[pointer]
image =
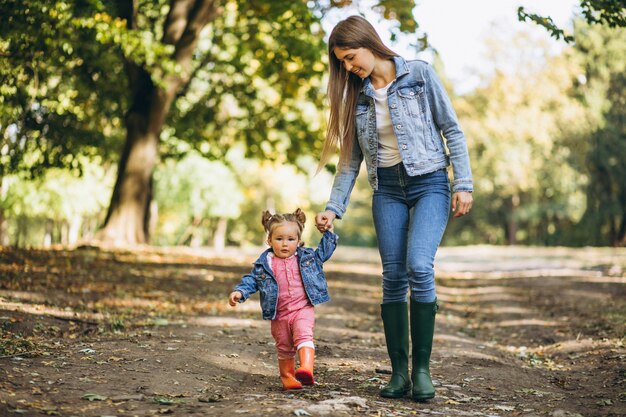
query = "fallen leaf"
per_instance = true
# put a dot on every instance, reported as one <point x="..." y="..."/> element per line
<point x="164" y="401"/>
<point x="94" y="397"/>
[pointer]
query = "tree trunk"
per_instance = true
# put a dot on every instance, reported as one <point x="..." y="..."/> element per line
<point x="3" y="221"/>
<point x="219" y="237"/>
<point x="73" y="230"/>
<point x="128" y="217"/>
<point x="47" y="236"/>
<point x="21" y="232"/>
<point x="621" y="234"/>
<point x="511" y="230"/>
<point x="188" y="235"/>
<point x="4" y="241"/>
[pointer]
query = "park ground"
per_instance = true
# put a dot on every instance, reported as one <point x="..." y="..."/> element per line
<point x="148" y="332"/>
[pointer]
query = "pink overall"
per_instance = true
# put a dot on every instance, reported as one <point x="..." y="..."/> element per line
<point x="295" y="316"/>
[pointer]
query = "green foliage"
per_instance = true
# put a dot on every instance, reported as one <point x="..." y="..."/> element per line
<point x="400" y="10"/>
<point x="525" y="188"/>
<point x="611" y="13"/>
<point x="192" y="192"/>
<point x="59" y="198"/>
<point x="604" y="12"/>
<point x="544" y="138"/>
<point x="258" y="81"/>
<point x="601" y="88"/>
<point x="61" y="94"/>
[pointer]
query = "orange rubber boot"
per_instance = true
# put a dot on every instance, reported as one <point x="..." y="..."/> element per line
<point x="286" y="367"/>
<point x="304" y="373"/>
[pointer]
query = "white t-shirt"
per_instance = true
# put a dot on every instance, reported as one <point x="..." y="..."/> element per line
<point x="388" y="153"/>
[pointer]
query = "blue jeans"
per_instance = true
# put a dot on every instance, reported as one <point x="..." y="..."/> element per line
<point x="410" y="216"/>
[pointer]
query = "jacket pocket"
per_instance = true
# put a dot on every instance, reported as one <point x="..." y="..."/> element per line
<point x="412" y="100"/>
<point x="262" y="280"/>
<point x="313" y="278"/>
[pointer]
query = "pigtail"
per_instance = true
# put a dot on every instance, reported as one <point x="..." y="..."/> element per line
<point x="300" y="217"/>
<point x="265" y="220"/>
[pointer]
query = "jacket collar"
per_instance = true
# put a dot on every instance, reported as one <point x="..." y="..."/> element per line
<point x="401" y="69"/>
<point x="263" y="261"/>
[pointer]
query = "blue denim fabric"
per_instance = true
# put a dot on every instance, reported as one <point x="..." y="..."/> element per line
<point x="262" y="279"/>
<point x="410" y="215"/>
<point x="422" y="115"/>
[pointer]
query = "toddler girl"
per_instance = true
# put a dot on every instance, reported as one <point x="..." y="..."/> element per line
<point x="290" y="280"/>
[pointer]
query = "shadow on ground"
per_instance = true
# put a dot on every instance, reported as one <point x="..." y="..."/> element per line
<point x="520" y="332"/>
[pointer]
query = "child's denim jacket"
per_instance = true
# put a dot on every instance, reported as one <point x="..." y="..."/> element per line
<point x="310" y="261"/>
<point x="421" y="115"/>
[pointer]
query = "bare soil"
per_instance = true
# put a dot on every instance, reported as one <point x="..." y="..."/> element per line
<point x="520" y="332"/>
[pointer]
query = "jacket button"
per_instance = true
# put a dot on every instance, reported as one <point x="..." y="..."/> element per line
<point x="393" y="106"/>
<point x="404" y="146"/>
<point x="411" y="93"/>
<point x="399" y="126"/>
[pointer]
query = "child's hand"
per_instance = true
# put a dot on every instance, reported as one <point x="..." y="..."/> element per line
<point x="234" y="298"/>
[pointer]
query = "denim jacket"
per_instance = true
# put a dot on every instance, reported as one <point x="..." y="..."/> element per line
<point x="421" y="113"/>
<point x="310" y="261"/>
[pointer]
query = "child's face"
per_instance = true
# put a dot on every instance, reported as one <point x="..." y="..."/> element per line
<point x="284" y="239"/>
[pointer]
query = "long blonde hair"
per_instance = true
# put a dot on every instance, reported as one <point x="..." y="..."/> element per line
<point x="344" y="87"/>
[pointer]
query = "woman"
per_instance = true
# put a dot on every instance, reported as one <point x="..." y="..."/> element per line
<point x="393" y="113"/>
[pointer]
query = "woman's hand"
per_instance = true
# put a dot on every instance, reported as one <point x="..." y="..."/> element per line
<point x="462" y="203"/>
<point x="324" y="220"/>
<point x="234" y="298"/>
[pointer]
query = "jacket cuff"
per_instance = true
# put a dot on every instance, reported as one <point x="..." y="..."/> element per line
<point x="462" y="184"/>
<point x="335" y="208"/>
<point x="331" y="236"/>
<point x="244" y="295"/>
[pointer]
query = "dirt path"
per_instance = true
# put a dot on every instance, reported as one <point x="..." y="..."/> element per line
<point x="521" y="332"/>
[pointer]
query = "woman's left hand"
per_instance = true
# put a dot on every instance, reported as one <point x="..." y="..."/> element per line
<point x="461" y="203"/>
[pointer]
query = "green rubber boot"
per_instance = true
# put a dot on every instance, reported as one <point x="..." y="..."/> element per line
<point x="396" y="322"/>
<point x="422" y="329"/>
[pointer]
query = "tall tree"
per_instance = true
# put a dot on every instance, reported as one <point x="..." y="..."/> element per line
<point x="128" y="214"/>
<point x="601" y="88"/>
<point x="255" y="24"/>
<point x="61" y="94"/>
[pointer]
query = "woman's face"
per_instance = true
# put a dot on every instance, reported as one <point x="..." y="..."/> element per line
<point x="360" y="61"/>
